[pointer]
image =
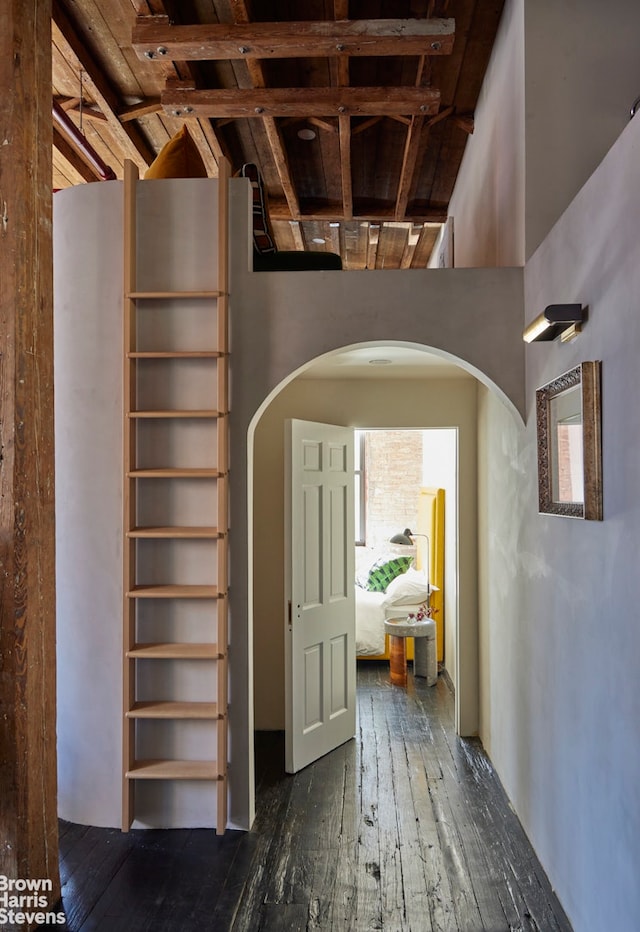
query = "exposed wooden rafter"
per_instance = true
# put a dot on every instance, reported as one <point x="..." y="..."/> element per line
<point x="152" y="39"/>
<point x="390" y="101"/>
<point x="133" y="143"/>
<point x="272" y="132"/>
<point x="241" y="103"/>
<point x="339" y="72"/>
<point x="71" y="155"/>
<point x="278" y="210"/>
<point x="411" y="150"/>
<point x="211" y="147"/>
<point x="409" y="160"/>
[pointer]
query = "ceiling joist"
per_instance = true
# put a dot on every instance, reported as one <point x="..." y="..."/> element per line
<point x="278" y="210"/>
<point x="133" y="143"/>
<point x="387" y="146"/>
<point x="155" y="40"/>
<point x="239" y="103"/>
<point x="271" y="128"/>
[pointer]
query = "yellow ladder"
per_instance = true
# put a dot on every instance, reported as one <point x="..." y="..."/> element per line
<point x="145" y="600"/>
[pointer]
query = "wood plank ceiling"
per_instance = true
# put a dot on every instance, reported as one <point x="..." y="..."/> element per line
<point x="357" y="112"/>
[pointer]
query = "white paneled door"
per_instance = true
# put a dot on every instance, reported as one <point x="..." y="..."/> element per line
<point x="320" y="611"/>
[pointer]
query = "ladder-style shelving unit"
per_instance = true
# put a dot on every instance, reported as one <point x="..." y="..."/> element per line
<point x="175" y="518"/>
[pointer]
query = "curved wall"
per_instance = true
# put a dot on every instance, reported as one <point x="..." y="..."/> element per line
<point x="88" y="282"/>
<point x="279" y="322"/>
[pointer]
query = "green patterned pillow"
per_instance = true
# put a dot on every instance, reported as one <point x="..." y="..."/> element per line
<point x="385" y="571"/>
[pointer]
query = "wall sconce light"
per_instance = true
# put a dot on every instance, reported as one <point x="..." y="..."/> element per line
<point x="557" y="320"/>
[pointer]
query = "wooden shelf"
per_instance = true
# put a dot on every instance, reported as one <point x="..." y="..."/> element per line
<point x="174" y="592"/>
<point x="171" y="533"/>
<point x="174" y="710"/>
<point x="174" y="651"/>
<point x="161" y="295"/>
<point x="175" y="354"/>
<point x="174" y="770"/>
<point x="204" y="413"/>
<point x="175" y="472"/>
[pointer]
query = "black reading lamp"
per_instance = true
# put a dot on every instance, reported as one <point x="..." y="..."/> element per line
<point x="405" y="537"/>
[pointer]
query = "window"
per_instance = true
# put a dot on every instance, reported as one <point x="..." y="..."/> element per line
<point x="360" y="488"/>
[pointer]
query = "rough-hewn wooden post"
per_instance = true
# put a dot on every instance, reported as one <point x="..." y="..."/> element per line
<point x="28" y="816"/>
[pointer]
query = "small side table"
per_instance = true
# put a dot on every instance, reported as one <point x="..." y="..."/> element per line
<point x="425" y="662"/>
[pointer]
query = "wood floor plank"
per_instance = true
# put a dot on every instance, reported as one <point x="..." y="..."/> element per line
<point x="415" y="879"/>
<point x="368" y="906"/>
<point x="404" y="829"/>
<point x="392" y="881"/>
<point x="342" y="913"/>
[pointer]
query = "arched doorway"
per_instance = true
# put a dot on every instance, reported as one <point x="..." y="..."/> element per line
<point x="414" y="389"/>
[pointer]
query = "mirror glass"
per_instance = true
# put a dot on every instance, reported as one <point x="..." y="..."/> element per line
<point x="565" y="415"/>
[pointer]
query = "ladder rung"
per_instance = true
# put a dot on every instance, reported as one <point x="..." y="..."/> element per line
<point x="176" y="354"/>
<point x="213" y="352"/>
<point x="176" y="472"/>
<point x="174" y="592"/>
<point x="170" y="413"/>
<point x="151" y="295"/>
<point x="174" y="651"/>
<point x="153" y="533"/>
<point x="174" y="710"/>
<point x="174" y="770"/>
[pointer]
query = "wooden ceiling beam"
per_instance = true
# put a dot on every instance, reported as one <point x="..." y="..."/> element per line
<point x="75" y="105"/>
<point x="344" y="123"/>
<point x="412" y="146"/>
<point x="143" y="108"/>
<point x="71" y="155"/>
<point x="339" y="73"/>
<point x="409" y="161"/>
<point x="365" y="125"/>
<point x="242" y="41"/>
<point x="278" y="210"/>
<point x="239" y="103"/>
<point x="134" y="145"/>
<point x="210" y="145"/>
<point x="272" y="131"/>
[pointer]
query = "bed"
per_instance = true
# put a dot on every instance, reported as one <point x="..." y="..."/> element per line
<point x="373" y="607"/>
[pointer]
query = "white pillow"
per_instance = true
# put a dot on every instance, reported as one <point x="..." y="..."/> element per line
<point x="411" y="588"/>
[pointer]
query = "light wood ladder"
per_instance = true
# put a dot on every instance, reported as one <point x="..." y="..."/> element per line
<point x="137" y="534"/>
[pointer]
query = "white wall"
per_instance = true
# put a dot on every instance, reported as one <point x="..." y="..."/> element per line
<point x="88" y="434"/>
<point x="582" y="75"/>
<point x="560" y="638"/>
<point x="556" y="96"/>
<point x="488" y="200"/>
<point x="177" y="243"/>
<point x="365" y="403"/>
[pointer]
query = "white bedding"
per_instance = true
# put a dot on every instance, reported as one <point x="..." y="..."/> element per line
<point x="369" y="622"/>
<point x="404" y="594"/>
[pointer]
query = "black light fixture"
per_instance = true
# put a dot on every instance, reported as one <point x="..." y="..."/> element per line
<point x="406" y="539"/>
<point x="557" y="320"/>
<point x="403" y="538"/>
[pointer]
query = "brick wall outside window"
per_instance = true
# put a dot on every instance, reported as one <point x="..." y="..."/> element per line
<point x="394" y="476"/>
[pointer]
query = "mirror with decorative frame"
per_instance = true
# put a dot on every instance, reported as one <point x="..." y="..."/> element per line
<point x="568" y="416"/>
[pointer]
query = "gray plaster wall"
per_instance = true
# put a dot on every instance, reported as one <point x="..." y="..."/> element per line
<point x="559" y="632"/>
<point x="281" y="322"/>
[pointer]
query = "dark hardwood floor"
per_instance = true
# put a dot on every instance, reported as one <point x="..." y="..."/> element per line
<point x="405" y="829"/>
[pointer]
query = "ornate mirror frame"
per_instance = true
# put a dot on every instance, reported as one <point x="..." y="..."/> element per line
<point x="570" y="405"/>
